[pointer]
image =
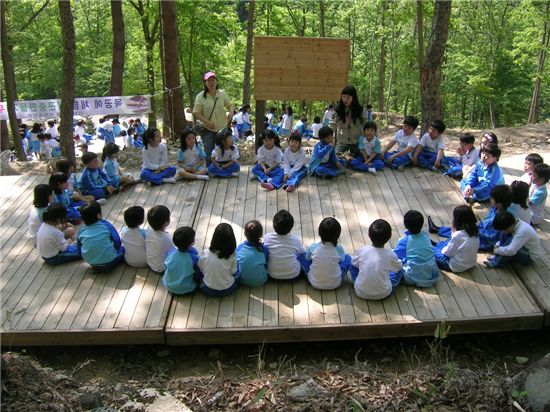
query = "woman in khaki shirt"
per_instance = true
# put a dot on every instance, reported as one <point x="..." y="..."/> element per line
<point x="347" y="122"/>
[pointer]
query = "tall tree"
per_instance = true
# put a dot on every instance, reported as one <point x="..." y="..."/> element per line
<point x="119" y="44"/>
<point x="9" y="78"/>
<point x="382" y="63"/>
<point x="420" y="38"/>
<point x="430" y="80"/>
<point x="321" y="18"/>
<point x="174" y="119"/>
<point x="248" y="58"/>
<point x="540" y="66"/>
<point x="68" y="88"/>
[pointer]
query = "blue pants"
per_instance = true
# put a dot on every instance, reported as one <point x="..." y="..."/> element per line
<point x="148" y="175"/>
<point x="218" y="293"/>
<point x="344" y="265"/>
<point x="454" y="167"/>
<point x="441" y="259"/>
<point x="109" y="137"/>
<point x="395" y="277"/>
<point x="115" y="181"/>
<point x="227" y="172"/>
<point x="73" y="214"/>
<point x="426" y="159"/>
<point x="208" y="142"/>
<point x="62" y="257"/>
<point x="330" y="170"/>
<point x="275" y="176"/>
<point x="295" y="178"/>
<point x="107" y="267"/>
<point x="98" y="193"/>
<point x="398" y="161"/>
<point x="87" y="137"/>
<point x="522" y="256"/>
<point x="358" y="163"/>
<point x="479" y="196"/>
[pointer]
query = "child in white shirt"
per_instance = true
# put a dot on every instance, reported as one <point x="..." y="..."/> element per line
<point x="268" y="169"/>
<point x="375" y="270"/>
<point x="315" y="126"/>
<point x="158" y="242"/>
<point x="155" y="168"/>
<point x="294" y="164"/>
<point x="50" y="241"/>
<point x="286" y="252"/>
<point x="133" y="237"/>
<point x="327" y="263"/>
<point x="224" y="156"/>
<point x="406" y="143"/>
<point x="429" y="152"/>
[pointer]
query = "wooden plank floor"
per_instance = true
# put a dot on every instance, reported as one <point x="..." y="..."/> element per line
<point x="68" y="304"/>
<point x="42" y="305"/>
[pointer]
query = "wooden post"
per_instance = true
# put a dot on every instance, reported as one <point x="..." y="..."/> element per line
<point x="260" y="114"/>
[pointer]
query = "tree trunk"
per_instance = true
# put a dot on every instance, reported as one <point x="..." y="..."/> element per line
<point x="322" y="18"/>
<point x="431" y="104"/>
<point x="420" y="37"/>
<point x="9" y="77"/>
<point x="119" y="43"/>
<point x="540" y="68"/>
<point x="68" y="72"/>
<point x="174" y="120"/>
<point x="382" y="65"/>
<point x="248" y="57"/>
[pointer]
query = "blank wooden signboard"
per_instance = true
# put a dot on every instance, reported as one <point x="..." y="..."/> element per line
<point x="300" y="68"/>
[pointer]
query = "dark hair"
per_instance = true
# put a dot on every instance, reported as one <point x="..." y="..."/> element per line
<point x="148" y="136"/>
<point x="222" y="136"/>
<point x="411" y="121"/>
<point x="356" y="110"/>
<point x="317" y="119"/>
<point x="183" y="237"/>
<point x="503" y="220"/>
<point x="123" y="133"/>
<point x="63" y="165"/>
<point x="184" y="134"/>
<point x="379" y="232"/>
<point x="42" y="193"/>
<point x="56" y="179"/>
<point x="369" y="106"/>
<point x="134" y="216"/>
<point x="492" y="149"/>
<point x="223" y="242"/>
<point x="542" y="170"/>
<point x="295" y="137"/>
<point x="270" y="134"/>
<point x="54" y="213"/>
<point x="330" y="106"/>
<point x="36" y="128"/>
<point x="534" y="158"/>
<point x="108" y="150"/>
<point x="253" y="232"/>
<point x="492" y="137"/>
<point x="325" y="132"/>
<point x="245" y="108"/>
<point x="520" y="193"/>
<point x="289" y="110"/>
<point x="88" y="157"/>
<point x="139" y="120"/>
<point x="50" y="123"/>
<point x="438" y="125"/>
<point x="41" y="136"/>
<point x="370" y="125"/>
<point x="330" y="230"/>
<point x="89" y="212"/>
<point x="467" y="138"/>
<point x="502" y="194"/>
<point x="158" y="216"/>
<point x="413" y="221"/>
<point x="283" y="222"/>
<point x="465" y="219"/>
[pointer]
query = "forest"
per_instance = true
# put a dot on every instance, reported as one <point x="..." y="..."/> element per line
<point x="493" y="72"/>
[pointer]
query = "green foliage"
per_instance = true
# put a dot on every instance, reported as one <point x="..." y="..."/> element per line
<point x="491" y="53"/>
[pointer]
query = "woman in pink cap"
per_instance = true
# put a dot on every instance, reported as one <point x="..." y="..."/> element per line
<point x="210" y="108"/>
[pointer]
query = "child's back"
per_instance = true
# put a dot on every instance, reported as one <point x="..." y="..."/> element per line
<point x="283" y="255"/>
<point x="375" y="264"/>
<point x="158" y="244"/>
<point x="325" y="272"/>
<point x="252" y="261"/>
<point x="181" y="264"/>
<point x="133" y="240"/>
<point x="97" y="243"/>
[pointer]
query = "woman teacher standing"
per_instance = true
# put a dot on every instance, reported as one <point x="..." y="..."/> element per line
<point x="210" y="106"/>
<point x="347" y="122"/>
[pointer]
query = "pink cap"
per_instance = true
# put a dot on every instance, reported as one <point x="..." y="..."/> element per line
<point x="209" y="75"/>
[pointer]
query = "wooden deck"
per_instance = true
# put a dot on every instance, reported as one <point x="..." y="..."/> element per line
<point x="67" y="305"/>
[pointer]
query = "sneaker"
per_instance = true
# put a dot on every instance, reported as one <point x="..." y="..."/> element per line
<point x="372" y="170"/>
<point x="138" y="180"/>
<point x="290" y="188"/>
<point x="203" y="177"/>
<point x="101" y="201"/>
<point x="252" y="177"/>
<point x="432" y="227"/>
<point x="400" y="168"/>
<point x="267" y="186"/>
<point x="236" y="174"/>
<point x="169" y="180"/>
<point x="488" y="264"/>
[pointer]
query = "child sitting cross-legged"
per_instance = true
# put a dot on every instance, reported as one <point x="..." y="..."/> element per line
<point x="252" y="256"/>
<point x="93" y="180"/>
<point x="460" y="167"/>
<point x="486" y="175"/>
<point x="158" y="242"/>
<point x="538" y="192"/>
<point x="218" y="265"/>
<point x="286" y="252"/>
<point x="67" y="166"/>
<point x="323" y="159"/>
<point x="369" y="146"/>
<point x="406" y="143"/>
<point x="191" y="157"/>
<point x="111" y="167"/>
<point x="50" y="240"/>
<point x="98" y="240"/>
<point x="43" y="197"/>
<point x="59" y="184"/>
<point x="294" y="164"/>
<point x="155" y="168"/>
<point x="375" y="270"/>
<point x="133" y="237"/>
<point x="268" y="169"/>
<point x="326" y="263"/>
<point x="430" y="151"/>
<point x="180" y="266"/>
<point x="224" y="156"/>
<point x="519" y="241"/>
<point x="416" y="253"/>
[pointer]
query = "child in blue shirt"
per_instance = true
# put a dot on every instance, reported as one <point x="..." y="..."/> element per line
<point x="252" y="256"/>
<point x="429" y="152"/>
<point x="486" y="175"/>
<point x="180" y="266"/>
<point x="369" y="146"/>
<point x="93" y="180"/>
<point x="538" y="193"/>
<point x="109" y="157"/>
<point x="98" y="241"/>
<point x="59" y="184"/>
<point x="323" y="159"/>
<point x="416" y="252"/>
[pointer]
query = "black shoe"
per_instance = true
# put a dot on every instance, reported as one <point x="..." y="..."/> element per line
<point x="432" y="226"/>
<point x="433" y="242"/>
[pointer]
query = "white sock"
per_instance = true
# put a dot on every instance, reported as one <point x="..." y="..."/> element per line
<point x="101" y="201"/>
<point x="203" y="177"/>
<point x="169" y="180"/>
